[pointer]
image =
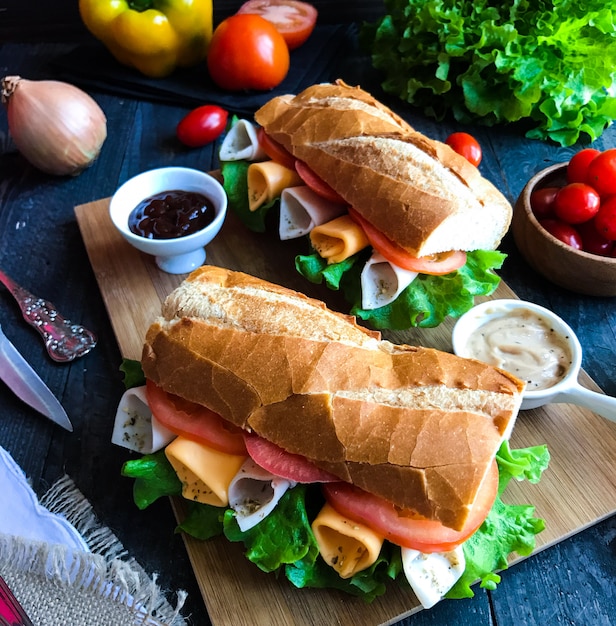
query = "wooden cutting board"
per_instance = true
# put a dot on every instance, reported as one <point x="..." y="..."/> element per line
<point x="578" y="490"/>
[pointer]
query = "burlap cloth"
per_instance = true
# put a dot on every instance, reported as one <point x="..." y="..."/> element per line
<point x="59" y="586"/>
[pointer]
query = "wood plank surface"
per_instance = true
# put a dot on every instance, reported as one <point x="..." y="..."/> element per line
<point x="578" y="490"/>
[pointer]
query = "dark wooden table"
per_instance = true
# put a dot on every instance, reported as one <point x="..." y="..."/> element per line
<point x="41" y="247"/>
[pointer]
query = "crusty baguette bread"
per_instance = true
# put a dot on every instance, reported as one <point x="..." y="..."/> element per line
<point x="414" y="425"/>
<point x="419" y="192"/>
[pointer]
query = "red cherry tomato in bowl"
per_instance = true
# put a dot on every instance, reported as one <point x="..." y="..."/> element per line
<point x="593" y="241"/>
<point x="202" y="125"/>
<point x="542" y="201"/>
<point x="601" y="173"/>
<point x="563" y="232"/>
<point x="465" y="145"/>
<point x="605" y="220"/>
<point x="294" y="20"/>
<point x="247" y="52"/>
<point x="576" y="203"/>
<point x="577" y="168"/>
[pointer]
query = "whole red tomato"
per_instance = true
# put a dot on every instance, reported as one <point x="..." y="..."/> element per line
<point x="577" y="168"/>
<point x="563" y="232"/>
<point x="466" y="145"/>
<point x="202" y="125"/>
<point x="592" y="240"/>
<point x="605" y="220"/>
<point x="602" y="172"/>
<point x="542" y="201"/>
<point x="576" y="203"/>
<point x="247" y="52"/>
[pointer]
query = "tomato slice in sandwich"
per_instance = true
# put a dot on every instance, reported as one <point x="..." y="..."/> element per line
<point x="194" y="421"/>
<point x="317" y="184"/>
<point x="406" y="529"/>
<point x="441" y="263"/>
<point x="274" y="150"/>
<point x="285" y="464"/>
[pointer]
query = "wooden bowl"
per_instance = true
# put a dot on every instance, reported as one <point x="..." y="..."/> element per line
<point x="580" y="272"/>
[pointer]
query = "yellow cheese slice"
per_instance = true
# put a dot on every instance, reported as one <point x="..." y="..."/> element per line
<point x="266" y="180"/>
<point x="339" y="239"/>
<point x="345" y="545"/>
<point x="205" y="473"/>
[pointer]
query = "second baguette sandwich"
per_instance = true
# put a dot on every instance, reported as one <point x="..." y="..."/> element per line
<point x="403" y="225"/>
<point x="417" y="191"/>
<point x="415" y="426"/>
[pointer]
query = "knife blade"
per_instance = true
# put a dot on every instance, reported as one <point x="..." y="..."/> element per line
<point x="26" y="384"/>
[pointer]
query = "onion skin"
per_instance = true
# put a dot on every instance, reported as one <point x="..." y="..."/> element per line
<point x="58" y="128"/>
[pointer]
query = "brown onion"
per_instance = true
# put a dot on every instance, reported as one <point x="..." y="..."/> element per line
<point x="57" y="127"/>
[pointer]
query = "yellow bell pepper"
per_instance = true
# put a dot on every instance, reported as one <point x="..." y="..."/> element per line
<point x="153" y="36"/>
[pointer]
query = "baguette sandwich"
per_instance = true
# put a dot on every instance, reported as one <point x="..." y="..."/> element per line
<point x="356" y="454"/>
<point x="403" y="224"/>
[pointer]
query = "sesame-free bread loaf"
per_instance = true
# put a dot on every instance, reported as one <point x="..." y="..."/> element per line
<point x="417" y="191"/>
<point x="414" y="425"/>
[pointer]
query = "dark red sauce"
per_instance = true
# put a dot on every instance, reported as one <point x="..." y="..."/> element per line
<point x="171" y="214"/>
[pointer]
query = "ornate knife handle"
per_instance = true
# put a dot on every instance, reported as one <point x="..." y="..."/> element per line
<point x="64" y="340"/>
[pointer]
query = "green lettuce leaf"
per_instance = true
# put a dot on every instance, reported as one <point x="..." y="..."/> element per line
<point x="283" y="537"/>
<point x="202" y="521"/>
<point x="133" y="374"/>
<point x="551" y="63"/>
<point x="508" y="528"/>
<point x="154" y="477"/>
<point x="235" y="183"/>
<point x="426" y="302"/>
<point x="368" y="584"/>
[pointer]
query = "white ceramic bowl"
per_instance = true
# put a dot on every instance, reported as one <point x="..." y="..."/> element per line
<point x="179" y="255"/>
<point x="567" y="389"/>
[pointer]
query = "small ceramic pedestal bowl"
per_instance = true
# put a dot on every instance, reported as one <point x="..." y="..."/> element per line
<point x="178" y="255"/>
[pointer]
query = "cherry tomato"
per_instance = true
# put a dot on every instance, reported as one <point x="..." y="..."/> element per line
<point x="577" y="169"/>
<point x="294" y="20"/>
<point x="542" y="201"/>
<point x="576" y="203"/>
<point x="593" y="241"/>
<point x="405" y="528"/>
<point x="317" y="185"/>
<point x="194" y="421"/>
<point x="202" y="125"/>
<point x="602" y="173"/>
<point x="605" y="220"/>
<point x="291" y="466"/>
<point x="466" y="145"/>
<point x="563" y="232"/>
<point x="275" y="151"/>
<point x="247" y="52"/>
<point x="442" y="263"/>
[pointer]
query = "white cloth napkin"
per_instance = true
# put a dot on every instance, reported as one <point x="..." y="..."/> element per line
<point x="23" y="516"/>
<point x="64" y="567"/>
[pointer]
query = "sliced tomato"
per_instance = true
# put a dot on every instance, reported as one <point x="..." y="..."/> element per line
<point x="194" y="421"/>
<point x="294" y="20"/>
<point x="274" y="459"/>
<point x="406" y="529"/>
<point x="441" y="263"/>
<point x="318" y="185"/>
<point x="275" y="151"/>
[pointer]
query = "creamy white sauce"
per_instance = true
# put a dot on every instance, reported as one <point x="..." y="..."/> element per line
<point x="523" y="343"/>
